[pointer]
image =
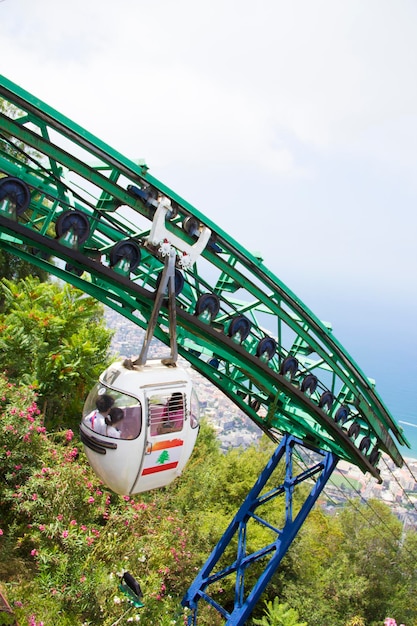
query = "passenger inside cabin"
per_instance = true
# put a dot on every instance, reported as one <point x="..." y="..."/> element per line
<point x="96" y="420"/>
<point x="173" y="418"/>
<point x="113" y="420"/>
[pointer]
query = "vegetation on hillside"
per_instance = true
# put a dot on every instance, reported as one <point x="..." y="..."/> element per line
<point x="65" y="539"/>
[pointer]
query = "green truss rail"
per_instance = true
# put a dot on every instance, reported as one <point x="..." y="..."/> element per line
<point x="87" y="219"/>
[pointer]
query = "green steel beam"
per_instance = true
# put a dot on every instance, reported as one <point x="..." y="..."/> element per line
<point x="68" y="169"/>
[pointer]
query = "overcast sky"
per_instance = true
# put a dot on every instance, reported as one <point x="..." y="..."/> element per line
<point x="290" y="124"/>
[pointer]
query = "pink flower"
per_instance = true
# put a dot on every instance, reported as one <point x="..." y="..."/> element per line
<point x="34" y="553"/>
<point x="1" y="531"/>
<point x="65" y="534"/>
<point x="73" y="522"/>
<point x="90" y="500"/>
<point x="41" y="527"/>
<point x="69" y="435"/>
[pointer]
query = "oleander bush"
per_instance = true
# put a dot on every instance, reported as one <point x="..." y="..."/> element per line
<point x="65" y="539"/>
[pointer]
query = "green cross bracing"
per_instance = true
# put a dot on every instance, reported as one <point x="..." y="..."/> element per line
<point x="85" y="213"/>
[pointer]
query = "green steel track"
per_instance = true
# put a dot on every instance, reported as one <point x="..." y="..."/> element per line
<point x="75" y="207"/>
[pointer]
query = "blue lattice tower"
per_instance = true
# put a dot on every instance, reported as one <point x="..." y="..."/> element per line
<point x="314" y="477"/>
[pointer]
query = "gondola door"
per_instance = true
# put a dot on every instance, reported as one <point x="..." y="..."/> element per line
<point x="166" y="444"/>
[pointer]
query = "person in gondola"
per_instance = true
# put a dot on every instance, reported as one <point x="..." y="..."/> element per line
<point x="174" y="414"/>
<point x="96" y="420"/>
<point x="113" y="420"/>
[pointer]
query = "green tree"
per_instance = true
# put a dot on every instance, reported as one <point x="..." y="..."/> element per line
<point x="14" y="268"/>
<point x="53" y="337"/>
<point x="355" y="621"/>
<point x="277" y="614"/>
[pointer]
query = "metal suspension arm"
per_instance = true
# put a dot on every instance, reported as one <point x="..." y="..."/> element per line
<point x="167" y="282"/>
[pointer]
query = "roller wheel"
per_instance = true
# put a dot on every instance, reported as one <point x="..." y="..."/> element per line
<point x="128" y="250"/>
<point x="178" y="281"/>
<point x="326" y="400"/>
<point x="353" y="430"/>
<point x="365" y="445"/>
<point x="289" y="366"/>
<point x="309" y="384"/>
<point x="241" y="325"/>
<point x="173" y="211"/>
<point x="266" y="348"/>
<point x="342" y="414"/>
<point x="75" y="221"/>
<point x="16" y="191"/>
<point x="208" y="303"/>
<point x="255" y="405"/>
<point x="191" y="225"/>
<point x="374" y="456"/>
<point x="213" y="245"/>
<point x="74" y="270"/>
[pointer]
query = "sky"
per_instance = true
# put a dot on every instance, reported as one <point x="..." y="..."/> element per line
<point x="291" y="125"/>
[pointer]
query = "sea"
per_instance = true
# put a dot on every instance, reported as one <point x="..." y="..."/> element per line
<point x="391" y="362"/>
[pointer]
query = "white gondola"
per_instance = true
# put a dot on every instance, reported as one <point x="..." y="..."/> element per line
<point x="158" y="431"/>
<point x="151" y="445"/>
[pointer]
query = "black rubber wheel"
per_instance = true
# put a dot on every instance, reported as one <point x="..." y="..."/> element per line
<point x="191" y="225"/>
<point x="309" y="384"/>
<point x="342" y="414"/>
<point x="16" y="191"/>
<point x="208" y="302"/>
<point x="74" y="270"/>
<point x="147" y="194"/>
<point x="179" y="281"/>
<point x="289" y="366"/>
<point x="239" y="324"/>
<point x="354" y="430"/>
<point x="173" y="211"/>
<point x="128" y="250"/>
<point x="213" y="245"/>
<point x="326" y="399"/>
<point x="77" y="221"/>
<point x="374" y="456"/>
<point x="365" y="445"/>
<point x="255" y="405"/>
<point x="267" y="346"/>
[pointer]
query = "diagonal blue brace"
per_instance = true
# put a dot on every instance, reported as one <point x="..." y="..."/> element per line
<point x="319" y="469"/>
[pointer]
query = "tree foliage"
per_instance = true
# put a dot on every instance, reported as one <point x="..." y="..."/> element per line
<point x="277" y="614"/>
<point x="54" y="338"/>
<point x="65" y="538"/>
<point x="14" y="268"/>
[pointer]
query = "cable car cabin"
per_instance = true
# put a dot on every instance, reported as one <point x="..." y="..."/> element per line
<point x="140" y="425"/>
